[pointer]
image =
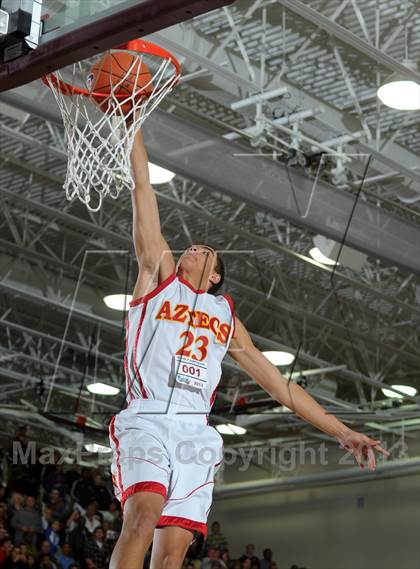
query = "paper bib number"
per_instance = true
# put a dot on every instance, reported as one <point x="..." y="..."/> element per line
<point x="190" y="372"/>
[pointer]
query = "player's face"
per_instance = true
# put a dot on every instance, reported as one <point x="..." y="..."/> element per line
<point x="199" y="259"/>
<point x="200" y="256"/>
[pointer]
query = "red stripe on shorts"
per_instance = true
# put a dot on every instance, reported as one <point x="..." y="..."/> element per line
<point x="182" y="523"/>
<point x="191" y="493"/>
<point x="155" y="487"/>
<point x="117" y="450"/>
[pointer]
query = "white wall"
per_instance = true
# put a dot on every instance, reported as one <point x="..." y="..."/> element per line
<point x="323" y="528"/>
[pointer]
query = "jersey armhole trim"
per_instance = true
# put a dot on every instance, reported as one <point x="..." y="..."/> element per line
<point x="232" y="309"/>
<point x="154" y="292"/>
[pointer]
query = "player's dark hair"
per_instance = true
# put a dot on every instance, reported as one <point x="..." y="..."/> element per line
<point x="220" y="270"/>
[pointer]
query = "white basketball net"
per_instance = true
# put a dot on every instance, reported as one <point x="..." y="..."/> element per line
<point x="99" y="143"/>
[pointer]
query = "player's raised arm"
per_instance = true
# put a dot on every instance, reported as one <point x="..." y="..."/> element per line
<point x="257" y="366"/>
<point x="154" y="257"/>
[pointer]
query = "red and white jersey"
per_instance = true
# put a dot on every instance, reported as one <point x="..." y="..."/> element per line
<point x="176" y="339"/>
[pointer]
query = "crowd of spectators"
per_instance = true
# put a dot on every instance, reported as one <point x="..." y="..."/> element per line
<point x="70" y="522"/>
<point x="65" y="517"/>
<point x="213" y="553"/>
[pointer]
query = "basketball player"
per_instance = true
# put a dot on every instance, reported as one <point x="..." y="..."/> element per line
<point x="178" y="331"/>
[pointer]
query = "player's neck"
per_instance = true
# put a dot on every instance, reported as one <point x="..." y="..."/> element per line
<point x="196" y="281"/>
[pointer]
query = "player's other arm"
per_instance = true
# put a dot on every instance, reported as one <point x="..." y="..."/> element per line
<point x="257" y="366"/>
<point x="154" y="257"/>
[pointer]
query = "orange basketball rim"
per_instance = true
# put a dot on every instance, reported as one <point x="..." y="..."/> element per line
<point x="136" y="47"/>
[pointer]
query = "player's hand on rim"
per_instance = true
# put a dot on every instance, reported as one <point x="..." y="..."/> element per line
<point x="362" y="448"/>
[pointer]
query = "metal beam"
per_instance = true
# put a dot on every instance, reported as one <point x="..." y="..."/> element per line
<point x="62" y="388"/>
<point x="41" y="363"/>
<point x="281" y="307"/>
<point x="53" y="339"/>
<point x="66" y="218"/>
<point x="30" y="141"/>
<point x="58" y="306"/>
<point x="347" y="374"/>
<point x="395" y="468"/>
<point x="231" y="229"/>
<point x="35" y="257"/>
<point x="347" y="37"/>
<point x="197" y="48"/>
<point x="193" y="152"/>
<point x="275" y="303"/>
<point x="392" y="163"/>
<point x="276" y="247"/>
<point x="265" y="183"/>
<point x="270" y="304"/>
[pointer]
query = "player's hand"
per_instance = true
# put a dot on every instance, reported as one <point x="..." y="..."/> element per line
<point x="362" y="448"/>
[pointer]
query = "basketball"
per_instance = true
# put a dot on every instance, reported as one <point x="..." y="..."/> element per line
<point x="122" y="73"/>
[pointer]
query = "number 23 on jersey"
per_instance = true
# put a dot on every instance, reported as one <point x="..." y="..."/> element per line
<point x="190" y="364"/>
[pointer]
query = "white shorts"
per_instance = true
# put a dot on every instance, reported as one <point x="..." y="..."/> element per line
<point x="176" y="456"/>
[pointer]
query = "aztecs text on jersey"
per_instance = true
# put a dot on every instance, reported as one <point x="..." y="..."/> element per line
<point x="176" y="339"/>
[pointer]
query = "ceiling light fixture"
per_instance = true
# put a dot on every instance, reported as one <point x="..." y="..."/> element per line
<point x="93" y="447"/>
<point x="230" y="429"/>
<point x="159" y="175"/>
<point x="401" y="92"/>
<point x="316" y="254"/>
<point x="118" y="301"/>
<point x="406" y="389"/>
<point x="100" y="388"/>
<point x="279" y="358"/>
<point x="327" y="251"/>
